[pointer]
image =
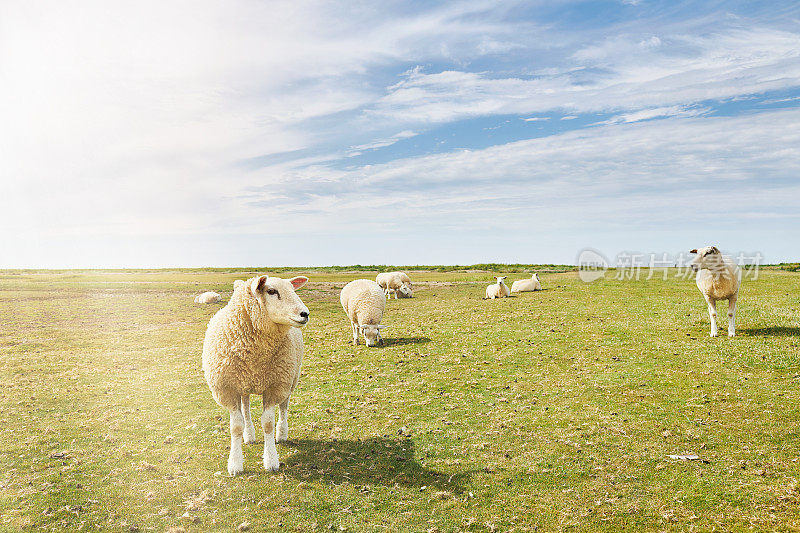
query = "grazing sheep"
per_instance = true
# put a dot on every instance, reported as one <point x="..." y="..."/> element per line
<point x="397" y="283"/>
<point x="364" y="303"/>
<point x="527" y="285"/>
<point x="497" y="290"/>
<point x="253" y="345"/>
<point x="718" y="278"/>
<point x="208" y="298"/>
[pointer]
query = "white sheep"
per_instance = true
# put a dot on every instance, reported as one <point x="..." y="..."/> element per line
<point x="364" y="303"/>
<point x="208" y="297"/>
<point x="397" y="283"/>
<point x="497" y="290"/>
<point x="718" y="278"/>
<point x="253" y="345"/>
<point x="527" y="285"/>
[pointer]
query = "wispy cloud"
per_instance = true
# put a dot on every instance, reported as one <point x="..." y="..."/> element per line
<point x="644" y="173"/>
<point x="147" y="120"/>
<point x="621" y="73"/>
<point x="382" y="143"/>
<point x="659" y="112"/>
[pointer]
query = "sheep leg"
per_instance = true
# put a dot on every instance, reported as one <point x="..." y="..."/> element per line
<point x="236" y="458"/>
<point x="271" y="461"/>
<point x="249" y="429"/>
<point x="283" y="422"/>
<point x="354" y="327"/>
<point x="732" y="316"/>
<point x="712" y="314"/>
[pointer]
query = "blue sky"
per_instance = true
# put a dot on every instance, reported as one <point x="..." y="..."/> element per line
<point x="200" y="133"/>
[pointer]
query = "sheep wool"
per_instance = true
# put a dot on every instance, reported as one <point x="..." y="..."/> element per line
<point x="397" y="283"/>
<point x="527" y="285"/>
<point x="497" y="290"/>
<point x="364" y="303"/>
<point x="718" y="278"/>
<point x="253" y="345"/>
<point x="208" y="297"/>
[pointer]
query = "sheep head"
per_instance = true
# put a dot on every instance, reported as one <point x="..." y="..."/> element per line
<point x="278" y="299"/>
<point x="372" y="333"/>
<point x="708" y="257"/>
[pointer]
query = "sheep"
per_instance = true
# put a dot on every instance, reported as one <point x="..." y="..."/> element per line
<point x="397" y="283"/>
<point x="497" y="290"/>
<point x="527" y="285"/>
<point x="364" y="303"/>
<point x="253" y="345"/>
<point x="718" y="278"/>
<point x="208" y="298"/>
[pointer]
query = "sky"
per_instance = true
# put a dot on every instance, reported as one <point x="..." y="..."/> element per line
<point x="289" y="133"/>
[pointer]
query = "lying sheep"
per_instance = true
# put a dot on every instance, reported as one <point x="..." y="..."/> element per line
<point x="497" y="290"/>
<point x="364" y="303"/>
<point x="718" y="278"/>
<point x="397" y="283"/>
<point x="253" y="345"/>
<point x="527" y="285"/>
<point x="209" y="297"/>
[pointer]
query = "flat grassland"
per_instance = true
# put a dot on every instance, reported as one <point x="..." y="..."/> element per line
<point x="553" y="410"/>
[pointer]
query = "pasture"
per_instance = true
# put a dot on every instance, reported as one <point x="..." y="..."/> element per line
<point x="553" y="410"/>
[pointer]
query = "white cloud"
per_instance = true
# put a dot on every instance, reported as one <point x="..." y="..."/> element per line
<point x="150" y="119"/>
<point x="127" y="118"/>
<point x="381" y="143"/>
<point x="648" y="174"/>
<point x="659" y="112"/>
<point x="620" y="73"/>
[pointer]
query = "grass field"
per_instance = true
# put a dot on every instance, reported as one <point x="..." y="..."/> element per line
<point x="552" y="411"/>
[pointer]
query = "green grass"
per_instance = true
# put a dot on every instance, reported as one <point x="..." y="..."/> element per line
<point x="551" y="411"/>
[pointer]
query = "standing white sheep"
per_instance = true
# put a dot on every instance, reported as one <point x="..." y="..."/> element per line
<point x="397" y="283"/>
<point x="497" y="290"/>
<point x="253" y="345"/>
<point x="364" y="302"/>
<point x="208" y="297"/>
<point x="527" y="285"/>
<point x="718" y="278"/>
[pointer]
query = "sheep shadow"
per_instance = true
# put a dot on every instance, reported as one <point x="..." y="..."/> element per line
<point x="772" y="331"/>
<point x="401" y="341"/>
<point x="371" y="461"/>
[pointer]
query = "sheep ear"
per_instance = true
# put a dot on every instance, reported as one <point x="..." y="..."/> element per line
<point x="259" y="284"/>
<point x="298" y="282"/>
<point x="714" y="250"/>
<point x="693" y="251"/>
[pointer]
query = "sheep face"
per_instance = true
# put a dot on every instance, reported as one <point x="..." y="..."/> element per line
<point x="278" y="298"/>
<point x="405" y="291"/>
<point x="501" y="280"/>
<point x="708" y="257"/>
<point x="372" y="334"/>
